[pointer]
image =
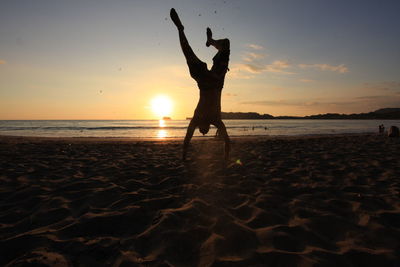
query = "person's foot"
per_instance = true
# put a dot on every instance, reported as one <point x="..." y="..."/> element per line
<point x="175" y="19"/>
<point x="209" y="37"/>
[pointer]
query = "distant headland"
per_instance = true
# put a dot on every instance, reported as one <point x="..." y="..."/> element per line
<point x="380" y="114"/>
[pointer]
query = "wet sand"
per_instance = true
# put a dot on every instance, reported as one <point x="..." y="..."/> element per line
<point x="298" y="201"/>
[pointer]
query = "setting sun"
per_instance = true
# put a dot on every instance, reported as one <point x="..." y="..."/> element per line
<point x="161" y="105"/>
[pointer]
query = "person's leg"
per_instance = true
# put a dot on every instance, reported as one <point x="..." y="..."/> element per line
<point x="221" y="59"/>
<point x="220" y="45"/>
<point x="189" y="133"/>
<point x="175" y="18"/>
<point x="224" y="134"/>
<point x="217" y="134"/>
<point x="187" y="50"/>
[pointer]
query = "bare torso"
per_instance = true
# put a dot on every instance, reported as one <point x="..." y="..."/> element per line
<point x="208" y="109"/>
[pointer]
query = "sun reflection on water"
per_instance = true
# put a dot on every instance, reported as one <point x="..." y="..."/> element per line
<point x="162" y="123"/>
<point x="162" y="133"/>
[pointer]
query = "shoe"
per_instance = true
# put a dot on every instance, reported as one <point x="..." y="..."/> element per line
<point x="175" y="19"/>
<point x="209" y="37"/>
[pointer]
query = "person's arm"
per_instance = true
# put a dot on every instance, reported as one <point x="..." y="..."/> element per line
<point x="222" y="130"/>
<point x="189" y="133"/>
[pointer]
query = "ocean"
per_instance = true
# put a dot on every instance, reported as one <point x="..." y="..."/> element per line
<point x="177" y="128"/>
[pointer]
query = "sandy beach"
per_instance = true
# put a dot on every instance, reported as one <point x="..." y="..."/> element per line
<point x="280" y="201"/>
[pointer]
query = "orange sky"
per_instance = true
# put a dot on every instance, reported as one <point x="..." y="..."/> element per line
<point x="92" y="60"/>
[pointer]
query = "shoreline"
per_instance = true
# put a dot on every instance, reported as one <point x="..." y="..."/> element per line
<point x="176" y="139"/>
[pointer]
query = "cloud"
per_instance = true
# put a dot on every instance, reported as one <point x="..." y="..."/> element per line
<point x="255" y="47"/>
<point x="325" y="67"/>
<point x="238" y="71"/>
<point x="321" y="105"/>
<point x="252" y="68"/>
<point x="361" y="102"/>
<point x="253" y="64"/>
<point x="278" y="66"/>
<point x="306" y="80"/>
<point x="229" y="94"/>
<point x="2" y="62"/>
<point x="251" y="56"/>
<point x="281" y="103"/>
<point x="305" y="103"/>
<point x="370" y="98"/>
<point x="383" y="86"/>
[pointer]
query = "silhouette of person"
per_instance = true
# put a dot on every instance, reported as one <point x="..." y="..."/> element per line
<point x="210" y="83"/>
<point x="381" y="129"/>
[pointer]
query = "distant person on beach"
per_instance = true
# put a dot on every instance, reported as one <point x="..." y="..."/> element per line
<point x="381" y="129"/>
<point x="210" y="83"/>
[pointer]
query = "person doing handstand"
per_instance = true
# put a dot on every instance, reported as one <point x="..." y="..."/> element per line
<point x="210" y="83"/>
